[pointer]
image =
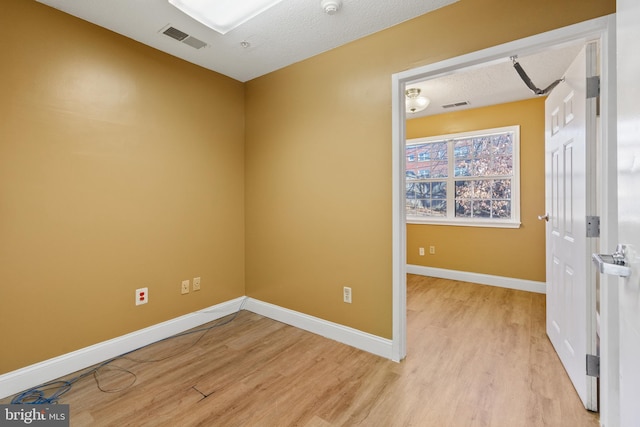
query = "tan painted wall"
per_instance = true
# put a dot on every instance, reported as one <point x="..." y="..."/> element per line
<point x="517" y="253"/>
<point x="120" y="167"/>
<point x="318" y="156"/>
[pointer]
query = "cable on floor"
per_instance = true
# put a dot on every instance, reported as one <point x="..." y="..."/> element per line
<point x="39" y="395"/>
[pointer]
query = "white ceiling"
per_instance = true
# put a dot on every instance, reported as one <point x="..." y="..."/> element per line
<point x="294" y="30"/>
<point x="496" y="83"/>
<point x="289" y="32"/>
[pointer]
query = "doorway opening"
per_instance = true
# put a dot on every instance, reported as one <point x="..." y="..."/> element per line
<point x="578" y="34"/>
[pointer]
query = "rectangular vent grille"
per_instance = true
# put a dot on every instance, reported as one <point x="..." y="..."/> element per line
<point x="183" y="37"/>
<point x="174" y="33"/>
<point x="456" y="104"/>
<point x="194" y="42"/>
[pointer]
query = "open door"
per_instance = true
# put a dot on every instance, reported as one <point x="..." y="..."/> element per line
<point x="570" y="146"/>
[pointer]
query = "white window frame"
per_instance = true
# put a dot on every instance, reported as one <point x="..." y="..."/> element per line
<point x="450" y="218"/>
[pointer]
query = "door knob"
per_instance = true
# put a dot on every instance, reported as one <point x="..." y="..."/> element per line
<point x="544" y="217"/>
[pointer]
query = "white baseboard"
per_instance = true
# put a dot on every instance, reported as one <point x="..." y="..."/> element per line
<point x="483" y="279"/>
<point x="344" y="334"/>
<point x="42" y="372"/>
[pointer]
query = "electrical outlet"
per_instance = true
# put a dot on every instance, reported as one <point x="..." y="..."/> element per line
<point x="196" y="283"/>
<point x="346" y="294"/>
<point x="185" y="287"/>
<point x="421" y="251"/>
<point x="432" y="250"/>
<point x="142" y="296"/>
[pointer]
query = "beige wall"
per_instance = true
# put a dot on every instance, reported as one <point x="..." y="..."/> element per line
<point x="318" y="156"/>
<point x="517" y="253"/>
<point x="120" y="167"/>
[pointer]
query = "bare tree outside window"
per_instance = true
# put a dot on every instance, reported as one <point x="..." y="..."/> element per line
<point x="466" y="178"/>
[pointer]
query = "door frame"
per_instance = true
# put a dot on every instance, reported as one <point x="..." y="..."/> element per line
<point x="600" y="28"/>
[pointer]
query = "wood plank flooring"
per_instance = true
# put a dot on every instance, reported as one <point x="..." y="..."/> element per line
<point x="477" y="356"/>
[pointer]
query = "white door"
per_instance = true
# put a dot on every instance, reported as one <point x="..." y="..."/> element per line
<point x="628" y="37"/>
<point x="569" y="154"/>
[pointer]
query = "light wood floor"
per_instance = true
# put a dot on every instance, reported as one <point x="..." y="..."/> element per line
<point x="477" y="356"/>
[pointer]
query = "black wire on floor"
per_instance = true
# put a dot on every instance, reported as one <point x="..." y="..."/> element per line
<point x="50" y="393"/>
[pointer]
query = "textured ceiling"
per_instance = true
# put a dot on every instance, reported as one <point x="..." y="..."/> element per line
<point x="289" y="32"/>
<point x="496" y="83"/>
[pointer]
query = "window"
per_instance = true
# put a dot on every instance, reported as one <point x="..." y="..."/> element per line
<point x="469" y="178"/>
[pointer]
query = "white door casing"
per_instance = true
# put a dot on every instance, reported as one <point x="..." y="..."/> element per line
<point x="628" y="36"/>
<point x="599" y="28"/>
<point x="570" y="146"/>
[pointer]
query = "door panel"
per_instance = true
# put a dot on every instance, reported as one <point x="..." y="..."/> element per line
<point x="569" y="141"/>
<point x="628" y="34"/>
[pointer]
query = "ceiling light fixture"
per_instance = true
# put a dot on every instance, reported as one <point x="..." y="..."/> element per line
<point x="414" y="101"/>
<point x="330" y="7"/>
<point x="223" y="15"/>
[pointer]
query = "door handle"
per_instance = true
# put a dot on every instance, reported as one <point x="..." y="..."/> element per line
<point x="544" y="217"/>
<point x="614" y="264"/>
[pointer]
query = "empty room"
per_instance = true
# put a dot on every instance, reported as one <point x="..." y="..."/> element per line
<point x="254" y="225"/>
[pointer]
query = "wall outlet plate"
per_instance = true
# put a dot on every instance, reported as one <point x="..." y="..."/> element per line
<point x="142" y="296"/>
<point x="346" y="294"/>
<point x="196" y="283"/>
<point x="184" y="289"/>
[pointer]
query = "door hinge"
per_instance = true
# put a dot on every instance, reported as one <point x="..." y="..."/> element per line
<point x="593" y="226"/>
<point x="593" y="366"/>
<point x="593" y="87"/>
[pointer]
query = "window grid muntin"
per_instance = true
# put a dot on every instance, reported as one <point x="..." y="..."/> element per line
<point x="500" y="205"/>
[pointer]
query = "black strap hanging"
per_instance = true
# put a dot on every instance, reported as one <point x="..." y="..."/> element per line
<point x="525" y="78"/>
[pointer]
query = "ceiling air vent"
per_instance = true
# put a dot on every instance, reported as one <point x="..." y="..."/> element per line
<point x="456" y="104"/>
<point x="194" y="42"/>
<point x="175" y="33"/>
<point x="183" y="37"/>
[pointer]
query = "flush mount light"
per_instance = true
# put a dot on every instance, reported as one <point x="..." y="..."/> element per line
<point x="414" y="101"/>
<point x="223" y="15"/>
